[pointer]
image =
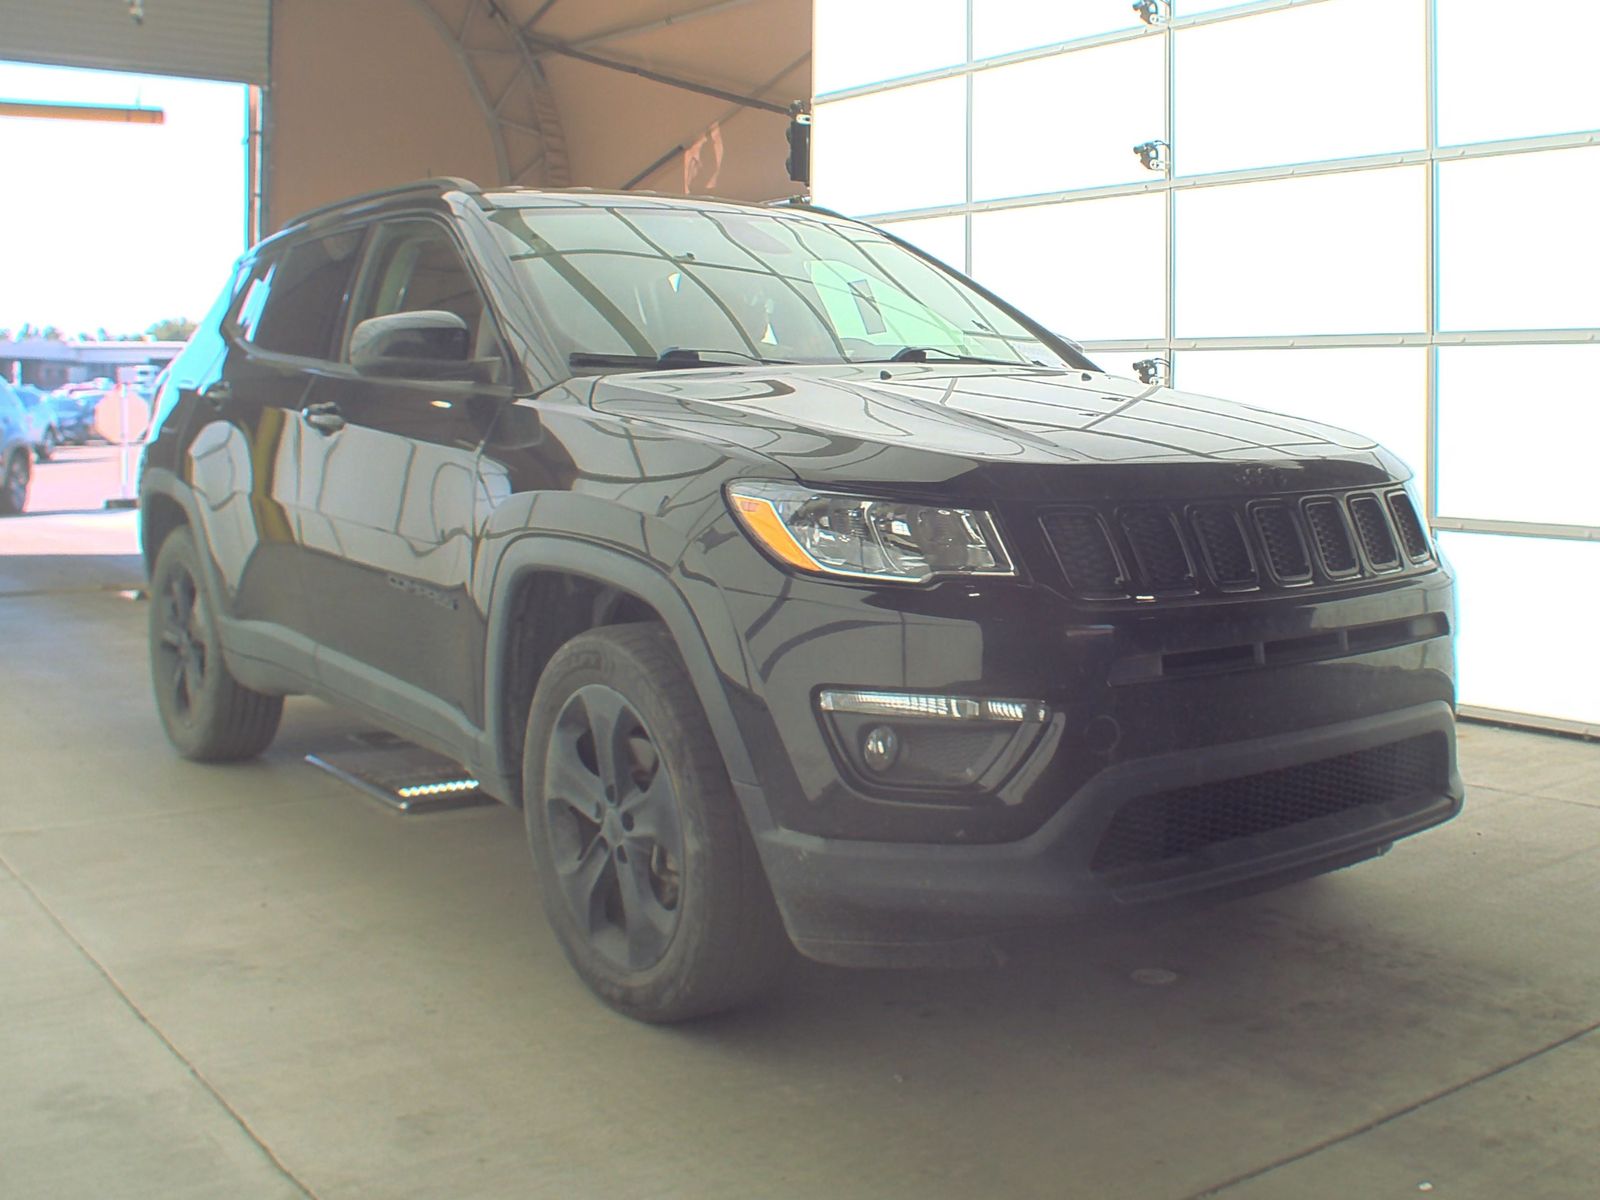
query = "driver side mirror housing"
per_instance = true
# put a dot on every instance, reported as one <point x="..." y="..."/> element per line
<point x="428" y="344"/>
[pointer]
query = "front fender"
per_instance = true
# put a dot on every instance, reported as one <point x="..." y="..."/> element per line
<point x="536" y="552"/>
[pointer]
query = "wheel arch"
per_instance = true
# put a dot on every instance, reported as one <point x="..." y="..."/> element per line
<point x="610" y="587"/>
<point x="159" y="514"/>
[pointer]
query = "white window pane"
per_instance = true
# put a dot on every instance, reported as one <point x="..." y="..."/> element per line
<point x="1329" y="80"/>
<point x="1323" y="254"/>
<point x="1518" y="244"/>
<point x="1046" y="126"/>
<point x="1518" y="427"/>
<point x="1519" y="656"/>
<point x="893" y="150"/>
<point x="1516" y="70"/>
<point x="1091" y="270"/>
<point x="1379" y="393"/>
<point x="1000" y="26"/>
<point x="857" y="42"/>
<point x="943" y="237"/>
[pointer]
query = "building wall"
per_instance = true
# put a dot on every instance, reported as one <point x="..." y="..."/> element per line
<point x="365" y="93"/>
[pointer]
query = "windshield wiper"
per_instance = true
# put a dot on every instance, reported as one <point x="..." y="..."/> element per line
<point x="670" y="358"/>
<point x="920" y="354"/>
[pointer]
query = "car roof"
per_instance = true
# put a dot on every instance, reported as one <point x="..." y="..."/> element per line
<point x="376" y="202"/>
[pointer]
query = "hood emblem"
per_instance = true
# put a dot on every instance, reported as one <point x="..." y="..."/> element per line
<point x="1259" y="477"/>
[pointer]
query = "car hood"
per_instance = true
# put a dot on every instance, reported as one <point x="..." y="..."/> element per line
<point x="984" y="430"/>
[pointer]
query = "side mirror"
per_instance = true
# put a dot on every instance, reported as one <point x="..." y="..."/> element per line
<point x="429" y="344"/>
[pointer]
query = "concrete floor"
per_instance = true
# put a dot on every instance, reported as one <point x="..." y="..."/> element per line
<point x="254" y="982"/>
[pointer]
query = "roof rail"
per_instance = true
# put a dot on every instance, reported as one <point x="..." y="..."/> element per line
<point x="439" y="183"/>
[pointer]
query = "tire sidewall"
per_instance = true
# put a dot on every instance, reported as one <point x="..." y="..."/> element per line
<point x="591" y="659"/>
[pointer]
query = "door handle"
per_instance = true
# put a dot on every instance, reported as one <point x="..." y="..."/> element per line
<point x="218" y="393"/>
<point x="325" y="417"/>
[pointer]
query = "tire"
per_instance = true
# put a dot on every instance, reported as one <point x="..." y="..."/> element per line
<point x="47" y="446"/>
<point x="649" y="877"/>
<point x="14" y="480"/>
<point x="207" y="714"/>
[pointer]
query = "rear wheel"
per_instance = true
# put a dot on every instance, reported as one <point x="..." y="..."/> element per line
<point x="207" y="714"/>
<point x="47" y="445"/>
<point x="14" y="483"/>
<point x="649" y="877"/>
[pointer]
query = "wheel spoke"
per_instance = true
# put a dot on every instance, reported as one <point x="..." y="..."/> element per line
<point x="180" y="683"/>
<point x="568" y="781"/>
<point x="653" y="814"/>
<point x="606" y="709"/>
<point x="646" y="922"/>
<point x="194" y="676"/>
<point x="583" y="879"/>
<point x="169" y="638"/>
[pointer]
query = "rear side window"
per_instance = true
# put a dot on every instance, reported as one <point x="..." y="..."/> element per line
<point x="293" y="300"/>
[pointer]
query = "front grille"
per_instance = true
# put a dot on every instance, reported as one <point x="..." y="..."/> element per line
<point x="1083" y="548"/>
<point x="1373" y="527"/>
<point x="1405" y="520"/>
<point x="1332" y="536"/>
<point x="1286" y="548"/>
<point x="1173" y="825"/>
<point x="1227" y="556"/>
<point x="1158" y="549"/>
<point x="1168" y="549"/>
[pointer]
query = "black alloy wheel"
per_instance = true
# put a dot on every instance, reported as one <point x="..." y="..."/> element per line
<point x="616" y="839"/>
<point x="207" y="714"/>
<point x="181" y="651"/>
<point x="649" y="878"/>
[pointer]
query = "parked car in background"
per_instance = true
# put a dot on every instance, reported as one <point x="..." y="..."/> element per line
<point x="43" y="434"/>
<point x="74" y="412"/>
<point x="16" y="452"/>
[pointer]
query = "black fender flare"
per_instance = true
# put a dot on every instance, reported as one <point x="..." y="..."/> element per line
<point x="535" y="552"/>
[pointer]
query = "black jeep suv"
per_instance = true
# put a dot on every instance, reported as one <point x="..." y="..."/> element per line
<point x="796" y="588"/>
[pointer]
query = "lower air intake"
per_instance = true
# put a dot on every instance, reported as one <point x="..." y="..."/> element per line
<point x="1173" y="825"/>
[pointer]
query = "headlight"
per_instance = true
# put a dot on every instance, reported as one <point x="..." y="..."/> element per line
<point x="867" y="539"/>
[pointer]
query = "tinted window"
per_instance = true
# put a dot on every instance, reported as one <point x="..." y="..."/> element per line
<point x="413" y="266"/>
<point x="292" y="301"/>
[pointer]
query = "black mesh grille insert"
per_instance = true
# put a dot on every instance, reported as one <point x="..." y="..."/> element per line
<point x="1328" y="530"/>
<point x="1172" y="825"/>
<point x="1373" y="529"/>
<point x="1222" y="540"/>
<point x="1083" y="548"/>
<point x="1280" y="535"/>
<point x="1157" y="548"/>
<point x="1405" y="520"/>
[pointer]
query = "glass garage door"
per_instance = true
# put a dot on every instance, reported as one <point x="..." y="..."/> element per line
<point x="1378" y="213"/>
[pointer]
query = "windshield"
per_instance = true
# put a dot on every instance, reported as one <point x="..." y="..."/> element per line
<point x="646" y="286"/>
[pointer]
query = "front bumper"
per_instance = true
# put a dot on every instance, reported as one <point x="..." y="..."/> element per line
<point x="860" y="903"/>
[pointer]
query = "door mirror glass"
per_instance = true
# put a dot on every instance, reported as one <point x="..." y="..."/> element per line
<point x="428" y="344"/>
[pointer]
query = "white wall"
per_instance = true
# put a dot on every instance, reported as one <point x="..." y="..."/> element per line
<point x="1378" y="213"/>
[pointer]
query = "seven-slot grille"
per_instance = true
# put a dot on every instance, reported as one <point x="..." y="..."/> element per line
<point x="1117" y="552"/>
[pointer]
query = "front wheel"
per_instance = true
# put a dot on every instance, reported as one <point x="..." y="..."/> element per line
<point x="649" y="878"/>
<point x="47" y="445"/>
<point x="208" y="715"/>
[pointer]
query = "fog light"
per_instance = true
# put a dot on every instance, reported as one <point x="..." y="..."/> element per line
<point x="880" y="748"/>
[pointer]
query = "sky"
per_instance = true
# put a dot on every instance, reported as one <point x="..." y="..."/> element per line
<point x="118" y="226"/>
